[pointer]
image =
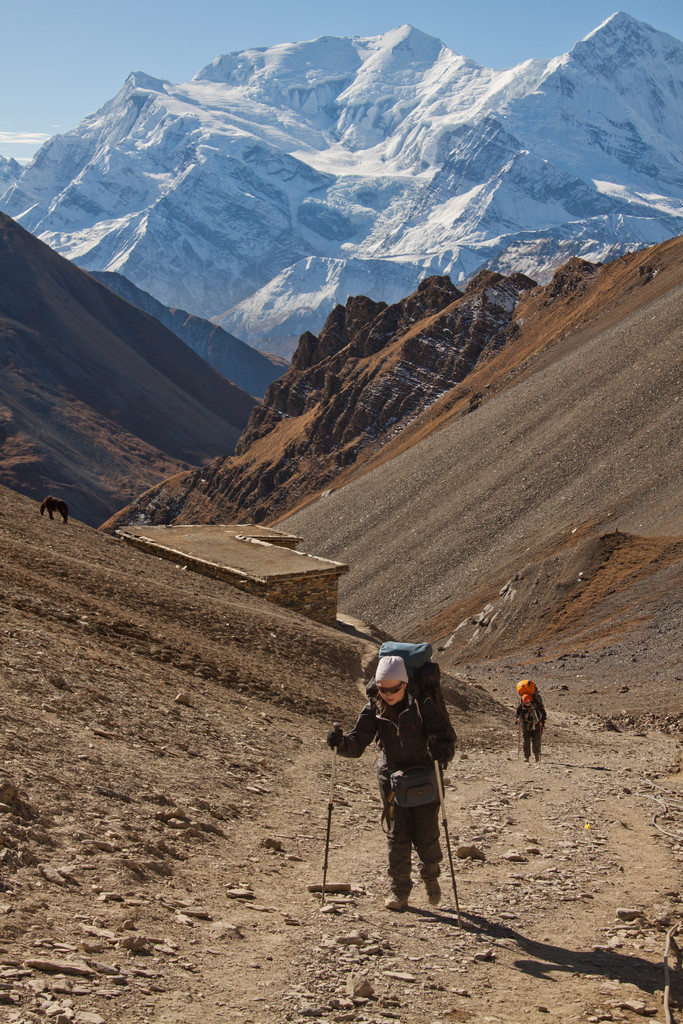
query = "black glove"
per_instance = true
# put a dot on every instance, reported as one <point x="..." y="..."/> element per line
<point x="335" y="737"/>
<point x="441" y="752"/>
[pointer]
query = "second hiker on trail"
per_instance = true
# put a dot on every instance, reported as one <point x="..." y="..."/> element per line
<point x="531" y="717"/>
<point x="411" y="734"/>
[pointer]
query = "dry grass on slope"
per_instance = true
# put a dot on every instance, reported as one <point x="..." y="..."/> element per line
<point x="578" y="445"/>
<point x="106" y="612"/>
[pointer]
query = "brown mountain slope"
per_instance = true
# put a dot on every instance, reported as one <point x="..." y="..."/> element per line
<point x="238" y="362"/>
<point x="97" y="400"/>
<point x="164" y="789"/>
<point x="582" y="300"/>
<point x="107" y="612"/>
<point x="372" y="370"/>
<point x="380" y="379"/>
<point x="501" y="534"/>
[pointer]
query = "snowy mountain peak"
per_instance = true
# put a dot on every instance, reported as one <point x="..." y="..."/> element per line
<point x="290" y="73"/>
<point x="404" y="46"/>
<point x="10" y="171"/>
<point x="621" y="38"/>
<point x="318" y="58"/>
<point x="147" y="83"/>
<point x="620" y="26"/>
<point x="280" y="180"/>
<point x="276" y="69"/>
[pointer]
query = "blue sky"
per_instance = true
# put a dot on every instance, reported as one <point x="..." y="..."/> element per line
<point x="61" y="59"/>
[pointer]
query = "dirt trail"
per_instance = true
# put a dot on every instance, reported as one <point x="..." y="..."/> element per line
<point x="541" y="938"/>
<point x="234" y="935"/>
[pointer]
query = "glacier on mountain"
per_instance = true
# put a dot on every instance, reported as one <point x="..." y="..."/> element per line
<point x="281" y="180"/>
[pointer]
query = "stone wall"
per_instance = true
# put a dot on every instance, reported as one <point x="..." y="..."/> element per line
<point x="313" y="595"/>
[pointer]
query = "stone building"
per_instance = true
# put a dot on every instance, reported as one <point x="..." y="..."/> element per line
<point x="255" y="559"/>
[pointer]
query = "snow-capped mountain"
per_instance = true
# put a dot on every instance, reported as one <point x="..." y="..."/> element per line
<point x="278" y="176"/>
<point x="10" y="171"/>
<point x="286" y="307"/>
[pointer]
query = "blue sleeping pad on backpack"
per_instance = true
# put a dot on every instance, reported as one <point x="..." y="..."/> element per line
<point x="414" y="655"/>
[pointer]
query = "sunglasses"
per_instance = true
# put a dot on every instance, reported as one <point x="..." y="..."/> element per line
<point x="391" y="689"/>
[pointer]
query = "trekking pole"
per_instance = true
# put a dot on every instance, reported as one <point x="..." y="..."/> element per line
<point x="330" y="807"/>
<point x="444" y="822"/>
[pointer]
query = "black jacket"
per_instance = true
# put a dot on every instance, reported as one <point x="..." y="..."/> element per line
<point x="533" y="714"/>
<point x="410" y="733"/>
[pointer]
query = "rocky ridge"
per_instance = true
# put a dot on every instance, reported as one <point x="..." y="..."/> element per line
<point x="380" y="379"/>
<point x="373" y="369"/>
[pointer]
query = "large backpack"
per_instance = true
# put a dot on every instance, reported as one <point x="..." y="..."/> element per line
<point x="423" y="673"/>
<point x="525" y="686"/>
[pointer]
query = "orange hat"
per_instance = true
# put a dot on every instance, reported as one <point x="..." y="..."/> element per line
<point x="527" y="698"/>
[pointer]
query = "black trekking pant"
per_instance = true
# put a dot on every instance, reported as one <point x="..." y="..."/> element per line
<point x="414" y="827"/>
<point x="532" y="737"/>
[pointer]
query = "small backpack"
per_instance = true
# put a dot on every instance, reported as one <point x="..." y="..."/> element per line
<point x="423" y="673"/>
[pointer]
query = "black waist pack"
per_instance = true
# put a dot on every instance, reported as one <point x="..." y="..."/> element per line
<point x="414" y="787"/>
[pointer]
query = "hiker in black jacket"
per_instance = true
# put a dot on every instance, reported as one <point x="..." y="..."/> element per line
<point x="409" y="732"/>
<point x="531" y="714"/>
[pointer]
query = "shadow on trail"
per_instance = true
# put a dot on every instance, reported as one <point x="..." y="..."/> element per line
<point x="548" y="962"/>
<point x="588" y="767"/>
<point x="548" y="762"/>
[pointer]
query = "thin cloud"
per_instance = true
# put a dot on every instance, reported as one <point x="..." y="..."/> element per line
<point x="23" y="138"/>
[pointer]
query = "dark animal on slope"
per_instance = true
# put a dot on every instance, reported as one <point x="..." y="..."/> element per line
<point x="55" y="505"/>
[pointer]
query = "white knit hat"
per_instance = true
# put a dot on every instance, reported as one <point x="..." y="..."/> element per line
<point x="392" y="667"/>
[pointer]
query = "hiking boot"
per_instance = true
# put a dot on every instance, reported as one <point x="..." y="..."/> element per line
<point x="397" y="903"/>
<point x="537" y="756"/>
<point x="433" y="891"/>
<point x="526" y="759"/>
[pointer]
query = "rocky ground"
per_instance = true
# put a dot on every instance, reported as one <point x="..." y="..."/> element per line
<point x="163" y="805"/>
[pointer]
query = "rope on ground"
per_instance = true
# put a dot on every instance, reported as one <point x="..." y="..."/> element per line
<point x="667" y="993"/>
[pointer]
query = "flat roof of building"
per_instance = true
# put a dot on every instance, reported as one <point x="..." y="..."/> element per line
<point x="243" y="548"/>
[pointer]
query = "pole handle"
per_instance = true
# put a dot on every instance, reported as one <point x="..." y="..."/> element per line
<point x="439" y="783"/>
